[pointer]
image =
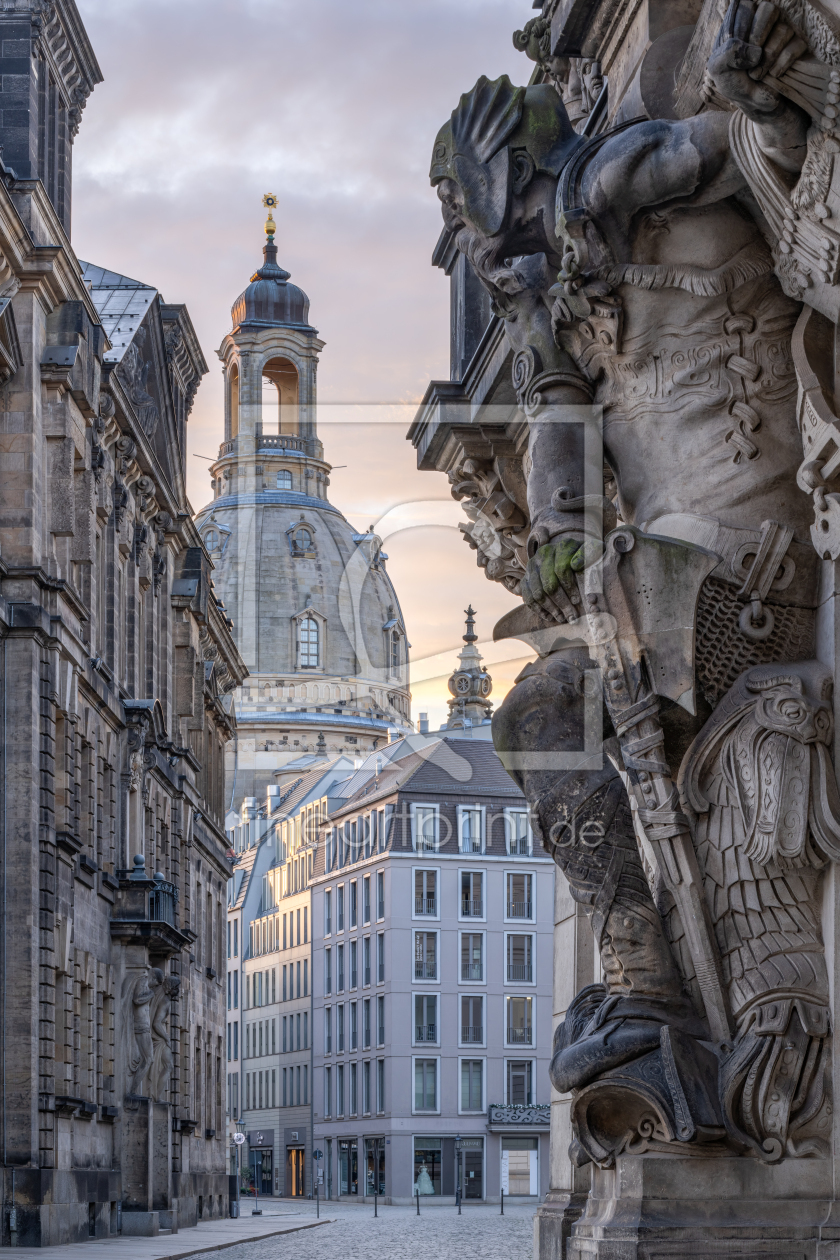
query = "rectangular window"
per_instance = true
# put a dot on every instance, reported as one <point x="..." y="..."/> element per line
<point x="228" y="939"/>
<point x="306" y="977"/>
<point x="380" y="894"/>
<point x="472" y="894"/>
<point x="297" y="1085"/>
<point x="518" y="832"/>
<point x="367" y="1024"/>
<point x="327" y="972"/>
<point x="284" y="932"/>
<point x="274" y="984"/>
<point x="285" y="1093"/>
<point x="339" y="987"/>
<point x="472" y="956"/>
<point x="354" y="903"/>
<point x="284" y="981"/>
<point x="328" y="912"/>
<point x="229" y="1042"/>
<point x="518" y="1022"/>
<point x="366" y="960"/>
<point x="472" y="1073"/>
<point x="236" y="938"/>
<point x="519" y="1074"/>
<point x="230" y="974"/>
<point x="425" y="1017"/>
<point x="354" y="1087"/>
<point x="366" y="1087"/>
<point x="354" y="963"/>
<point x="425" y="892"/>
<point x="274" y="1087"/>
<point x="297" y="969"/>
<point x="236" y="990"/>
<point x="472" y="1019"/>
<point x="425" y="1084"/>
<point x="285" y="1043"/>
<point x="425" y="828"/>
<point x="235" y="1039"/>
<point x="305" y="1085"/>
<point x="274" y="1036"/>
<point x="327" y="1093"/>
<point x="380" y="958"/>
<point x="328" y="1030"/>
<point x="339" y="1099"/>
<point x="380" y="1021"/>
<point x="354" y="1026"/>
<point x="519" y="901"/>
<point x="380" y="1085"/>
<point x="297" y="1021"/>
<point x="306" y="925"/>
<point x="470" y="828"/>
<point x="425" y="956"/>
<point x="339" y="922"/>
<point x="306" y="1030"/>
<point x="298" y="927"/>
<point x="366" y="899"/>
<point x="340" y="1028"/>
<point x="520" y="959"/>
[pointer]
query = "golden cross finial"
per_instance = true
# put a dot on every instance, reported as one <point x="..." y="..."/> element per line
<point x="270" y="203"/>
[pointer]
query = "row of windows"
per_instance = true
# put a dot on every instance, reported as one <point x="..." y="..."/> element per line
<point x="353" y="903"/>
<point x="352" y="979"/>
<point x="519" y="894"/>
<point x="261" y="1036"/>
<point x="277" y="1087"/>
<point x="352" y="1085"/>
<point x="348" y="1093"/>
<point x="269" y="934"/>
<point x="427" y="831"/>
<point x="346" y="1028"/>
<point x="260" y="988"/>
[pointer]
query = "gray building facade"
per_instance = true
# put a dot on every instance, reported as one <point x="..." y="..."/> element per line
<point x="433" y="915"/>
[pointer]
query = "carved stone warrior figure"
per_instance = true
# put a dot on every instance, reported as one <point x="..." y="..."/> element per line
<point x="646" y="275"/>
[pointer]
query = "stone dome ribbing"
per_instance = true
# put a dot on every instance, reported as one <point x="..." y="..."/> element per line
<point x="270" y="301"/>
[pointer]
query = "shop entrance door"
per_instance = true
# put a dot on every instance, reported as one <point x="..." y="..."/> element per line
<point x="261" y="1170"/>
<point x="469" y="1168"/>
<point x="295" y="1172"/>
<point x="374" y="1166"/>
<point x="348" y="1167"/>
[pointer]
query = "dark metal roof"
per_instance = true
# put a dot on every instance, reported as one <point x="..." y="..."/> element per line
<point x="270" y="301"/>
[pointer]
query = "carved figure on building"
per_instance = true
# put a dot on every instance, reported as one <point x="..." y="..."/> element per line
<point x="160" y="1070"/>
<point x="141" y="995"/>
<point x="653" y="275"/>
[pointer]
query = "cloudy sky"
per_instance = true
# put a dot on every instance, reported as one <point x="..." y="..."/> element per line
<point x="208" y="104"/>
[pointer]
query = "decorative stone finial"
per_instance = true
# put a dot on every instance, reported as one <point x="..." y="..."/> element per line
<point x="470" y="636"/>
<point x="139" y="871"/>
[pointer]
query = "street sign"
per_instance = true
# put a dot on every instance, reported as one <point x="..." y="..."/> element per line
<point x="239" y="1138"/>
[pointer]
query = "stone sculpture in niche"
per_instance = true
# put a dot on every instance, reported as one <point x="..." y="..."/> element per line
<point x="656" y="273"/>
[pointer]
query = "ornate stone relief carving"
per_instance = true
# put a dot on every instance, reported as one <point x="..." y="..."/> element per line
<point x="704" y="335"/>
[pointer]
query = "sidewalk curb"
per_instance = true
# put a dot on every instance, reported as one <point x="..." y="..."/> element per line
<point x="195" y="1251"/>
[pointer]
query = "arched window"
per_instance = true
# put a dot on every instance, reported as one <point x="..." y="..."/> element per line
<point x="284" y="479"/>
<point x="308" y="641"/>
<point x="211" y="540"/>
<point x="395" y="652"/>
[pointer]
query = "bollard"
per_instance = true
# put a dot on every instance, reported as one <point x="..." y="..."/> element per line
<point x="458" y="1199"/>
<point x="375" y="1205"/>
<point x="503" y="1204"/>
<point x="417" y="1192"/>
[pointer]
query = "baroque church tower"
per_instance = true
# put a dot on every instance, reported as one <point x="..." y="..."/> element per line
<point x="315" y="615"/>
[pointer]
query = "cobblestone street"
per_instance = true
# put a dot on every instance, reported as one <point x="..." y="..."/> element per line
<point x="353" y="1233"/>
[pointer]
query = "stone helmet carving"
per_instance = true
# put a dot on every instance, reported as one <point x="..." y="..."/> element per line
<point x="475" y="148"/>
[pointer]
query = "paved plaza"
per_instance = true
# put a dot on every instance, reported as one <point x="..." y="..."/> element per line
<point x="352" y="1233"/>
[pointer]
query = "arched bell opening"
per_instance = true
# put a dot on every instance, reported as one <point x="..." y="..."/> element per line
<point x="233" y="400"/>
<point x="280" y="398"/>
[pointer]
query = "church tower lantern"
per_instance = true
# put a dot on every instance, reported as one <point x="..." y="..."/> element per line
<point x="315" y="614"/>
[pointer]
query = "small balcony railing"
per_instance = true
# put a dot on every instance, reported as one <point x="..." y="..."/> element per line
<point x="519" y="909"/>
<point x="472" y="971"/>
<point x="162" y="901"/>
<point x="425" y="1032"/>
<point x="519" y="1036"/>
<point x="472" y="909"/>
<point x="425" y="971"/>
<point x="520" y="971"/>
<point x="425" y="905"/>
<point x="520" y="847"/>
<point x="274" y="441"/>
<point x="472" y="1034"/>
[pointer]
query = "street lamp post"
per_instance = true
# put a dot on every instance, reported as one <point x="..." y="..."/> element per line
<point x="238" y="1141"/>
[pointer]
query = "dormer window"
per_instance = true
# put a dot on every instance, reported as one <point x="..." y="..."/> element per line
<point x="308" y="643"/>
<point x="284" y="479"/>
<point x="395" y="652"/>
<point x="302" y="540"/>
